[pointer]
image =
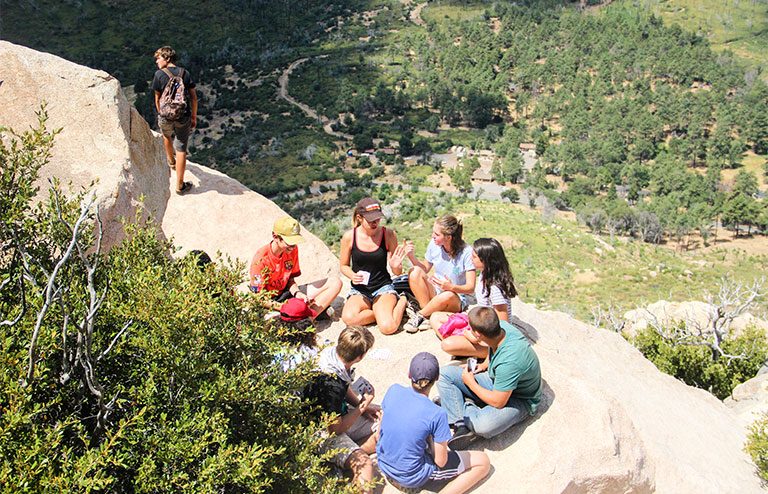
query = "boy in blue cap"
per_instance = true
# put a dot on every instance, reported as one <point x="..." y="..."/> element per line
<point x="412" y="449"/>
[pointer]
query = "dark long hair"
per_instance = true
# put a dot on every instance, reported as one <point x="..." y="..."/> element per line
<point x="495" y="267"/>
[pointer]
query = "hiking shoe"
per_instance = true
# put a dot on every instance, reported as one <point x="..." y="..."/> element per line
<point x="412" y="326"/>
<point x="186" y="187"/>
<point x="462" y="438"/>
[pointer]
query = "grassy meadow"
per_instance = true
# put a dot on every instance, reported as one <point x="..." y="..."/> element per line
<point x="558" y="264"/>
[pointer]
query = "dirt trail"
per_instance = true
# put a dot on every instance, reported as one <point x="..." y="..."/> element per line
<point x="283" y="93"/>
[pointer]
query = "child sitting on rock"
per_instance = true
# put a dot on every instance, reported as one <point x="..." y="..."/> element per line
<point x="412" y="450"/>
<point x="354" y="433"/>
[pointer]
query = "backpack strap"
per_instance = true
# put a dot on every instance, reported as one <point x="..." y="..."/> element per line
<point x="167" y="72"/>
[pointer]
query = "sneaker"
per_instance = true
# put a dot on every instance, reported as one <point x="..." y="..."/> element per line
<point x="330" y="313"/>
<point x="412" y="326"/>
<point x="461" y="439"/>
<point x="425" y="324"/>
<point x="411" y="307"/>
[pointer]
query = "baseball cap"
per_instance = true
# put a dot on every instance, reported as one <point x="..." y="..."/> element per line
<point x="289" y="230"/>
<point x="295" y="309"/>
<point x="424" y="366"/>
<point x="369" y="208"/>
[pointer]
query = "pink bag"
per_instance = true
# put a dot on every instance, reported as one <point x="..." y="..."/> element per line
<point x="455" y="325"/>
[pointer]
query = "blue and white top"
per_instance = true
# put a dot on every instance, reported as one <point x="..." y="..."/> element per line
<point x="444" y="265"/>
<point x="493" y="298"/>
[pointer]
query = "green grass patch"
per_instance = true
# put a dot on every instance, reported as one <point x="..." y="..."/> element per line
<point x="737" y="25"/>
<point x="439" y="12"/>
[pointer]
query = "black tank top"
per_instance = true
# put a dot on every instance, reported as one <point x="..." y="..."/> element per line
<point x="375" y="262"/>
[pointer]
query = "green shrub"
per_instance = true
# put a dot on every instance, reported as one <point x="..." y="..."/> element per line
<point x="757" y="446"/>
<point x="134" y="372"/>
<point x="697" y="365"/>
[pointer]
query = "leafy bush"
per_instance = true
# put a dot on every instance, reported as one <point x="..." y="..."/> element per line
<point x="757" y="446"/>
<point x="132" y="372"/>
<point x="696" y="365"/>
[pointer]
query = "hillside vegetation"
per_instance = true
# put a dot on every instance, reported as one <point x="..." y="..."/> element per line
<point x="557" y="263"/>
<point x="641" y="128"/>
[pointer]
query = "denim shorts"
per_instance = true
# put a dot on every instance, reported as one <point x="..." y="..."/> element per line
<point x="388" y="288"/>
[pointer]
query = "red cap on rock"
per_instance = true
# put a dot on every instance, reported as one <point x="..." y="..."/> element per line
<point x="295" y="309"/>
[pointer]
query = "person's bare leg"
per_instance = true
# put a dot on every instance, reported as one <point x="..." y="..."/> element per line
<point x="420" y="286"/>
<point x="478" y="465"/>
<point x="181" y="167"/>
<point x="436" y="320"/>
<point x="369" y="445"/>
<point x="389" y="311"/>
<point x="169" y="152"/>
<point x="323" y="292"/>
<point x="361" y="466"/>
<point x="442" y="302"/>
<point x="459" y="346"/>
<point x="357" y="312"/>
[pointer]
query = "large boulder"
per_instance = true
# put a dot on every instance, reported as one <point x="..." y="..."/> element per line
<point x="694" y="314"/>
<point x="220" y="215"/>
<point x="749" y="400"/>
<point x="103" y="138"/>
<point x="610" y="422"/>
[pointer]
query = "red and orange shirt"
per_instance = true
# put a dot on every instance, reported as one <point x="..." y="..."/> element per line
<point x="270" y="272"/>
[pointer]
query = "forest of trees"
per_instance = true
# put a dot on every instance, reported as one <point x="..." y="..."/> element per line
<point x="638" y="119"/>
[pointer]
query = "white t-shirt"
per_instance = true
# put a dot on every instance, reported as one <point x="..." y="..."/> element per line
<point x="493" y="298"/>
<point x="444" y="265"/>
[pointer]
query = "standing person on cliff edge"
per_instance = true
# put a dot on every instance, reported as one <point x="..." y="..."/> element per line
<point x="176" y="113"/>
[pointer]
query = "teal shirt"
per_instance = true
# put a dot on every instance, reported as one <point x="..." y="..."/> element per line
<point x="515" y="366"/>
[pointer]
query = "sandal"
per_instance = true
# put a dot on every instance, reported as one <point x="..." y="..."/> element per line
<point x="184" y="188"/>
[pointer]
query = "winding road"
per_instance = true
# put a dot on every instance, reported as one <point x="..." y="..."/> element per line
<point x="283" y="93"/>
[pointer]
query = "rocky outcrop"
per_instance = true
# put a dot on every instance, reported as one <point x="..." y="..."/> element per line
<point x="749" y="400"/>
<point x="610" y="422"/>
<point x="220" y="215"/>
<point x="103" y="138"/>
<point x="692" y="314"/>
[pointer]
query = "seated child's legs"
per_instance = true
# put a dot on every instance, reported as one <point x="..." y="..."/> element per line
<point x="442" y="302"/>
<point x="420" y="286"/>
<point x="349" y="456"/>
<point x="322" y="292"/>
<point x="476" y="467"/>
<point x="361" y="466"/>
<point x="460" y="346"/>
<point x="487" y="421"/>
<point x="436" y="320"/>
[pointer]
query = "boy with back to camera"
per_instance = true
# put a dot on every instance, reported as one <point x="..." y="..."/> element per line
<point x="175" y="132"/>
<point x="412" y="450"/>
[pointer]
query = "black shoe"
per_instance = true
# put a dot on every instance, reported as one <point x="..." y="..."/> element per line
<point x="462" y="438"/>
